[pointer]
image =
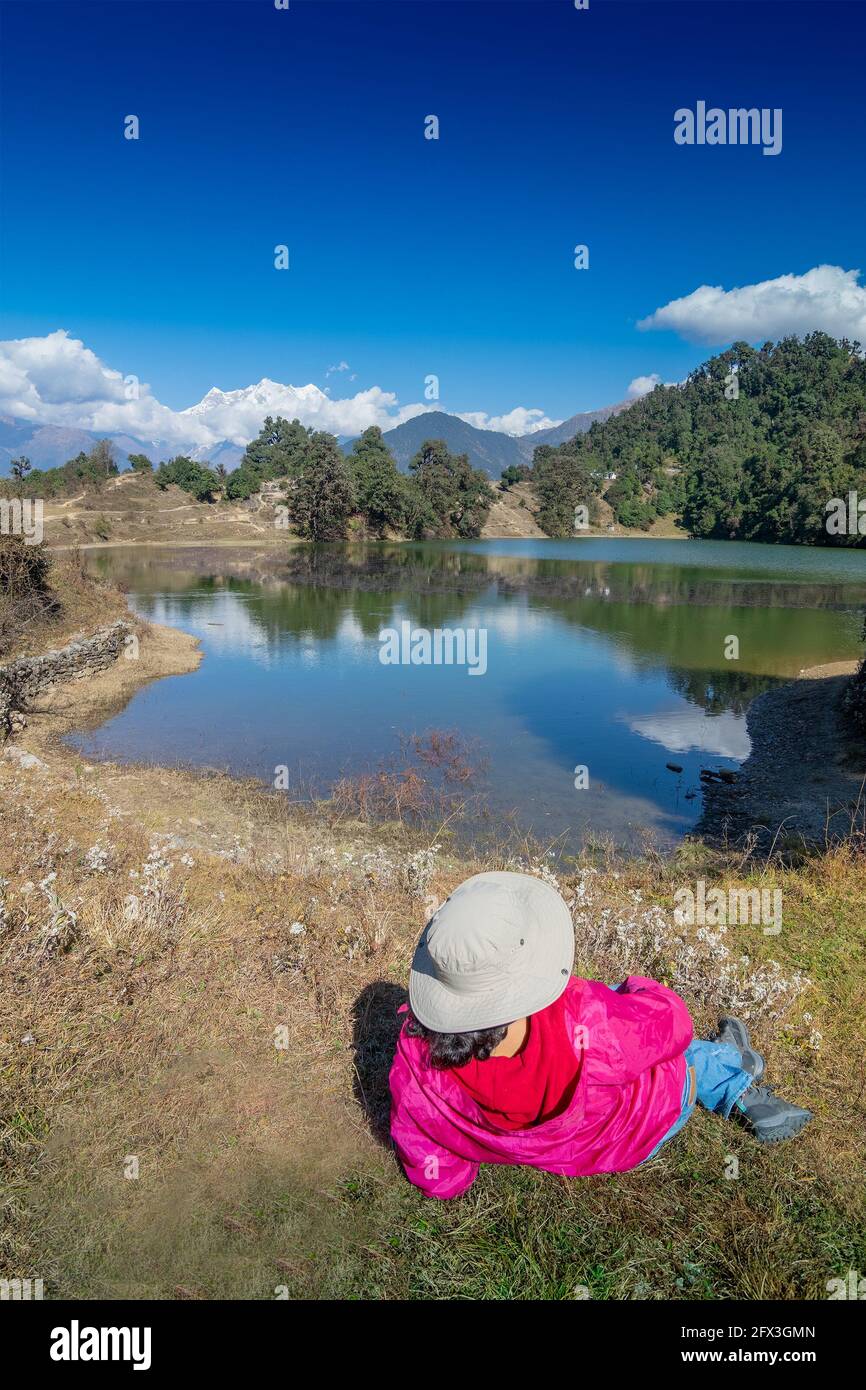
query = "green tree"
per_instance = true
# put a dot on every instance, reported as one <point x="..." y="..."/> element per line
<point x="453" y="497"/>
<point x="751" y="447"/>
<point x="200" y="482"/>
<point x="323" y="498"/>
<point x="244" y="482"/>
<point x="379" y="488"/>
<point x="278" y="450"/>
<point x="102" y="460"/>
<point x="714" y="499"/>
<point x="92" y="469"/>
<point x="515" y="473"/>
<point x="563" y="481"/>
<point x="140" y="463"/>
<point x="20" y="467"/>
<point x="823" y="473"/>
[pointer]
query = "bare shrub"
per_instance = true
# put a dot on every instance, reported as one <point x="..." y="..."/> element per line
<point x="23" y="568"/>
<point x="26" y="933"/>
<point x="25" y="593"/>
<point x="420" y="788"/>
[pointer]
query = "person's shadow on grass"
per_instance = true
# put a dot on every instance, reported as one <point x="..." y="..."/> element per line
<point x="375" y="1028"/>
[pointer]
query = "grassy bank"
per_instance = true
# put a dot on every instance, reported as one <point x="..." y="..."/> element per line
<point x="198" y="993"/>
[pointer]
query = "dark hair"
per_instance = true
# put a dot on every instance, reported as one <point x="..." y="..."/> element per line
<point x="456" y="1049"/>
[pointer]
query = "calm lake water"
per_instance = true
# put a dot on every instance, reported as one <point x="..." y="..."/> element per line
<point x="606" y="654"/>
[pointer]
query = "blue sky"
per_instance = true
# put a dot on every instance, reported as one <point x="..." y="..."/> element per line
<point x="410" y="256"/>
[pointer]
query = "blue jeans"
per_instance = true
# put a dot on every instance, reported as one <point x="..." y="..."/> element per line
<point x="719" y="1082"/>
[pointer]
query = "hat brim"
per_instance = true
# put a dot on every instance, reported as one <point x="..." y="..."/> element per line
<point x="544" y="973"/>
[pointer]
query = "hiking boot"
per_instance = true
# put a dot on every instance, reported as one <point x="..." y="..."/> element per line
<point x="734" y="1032"/>
<point x="770" y="1118"/>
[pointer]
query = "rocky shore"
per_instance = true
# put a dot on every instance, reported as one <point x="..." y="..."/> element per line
<point x="23" y="680"/>
<point x="804" y="782"/>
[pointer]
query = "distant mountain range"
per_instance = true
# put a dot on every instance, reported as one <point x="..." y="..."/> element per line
<point x="487" y="449"/>
<point x="575" y="424"/>
<point x="49" y="446"/>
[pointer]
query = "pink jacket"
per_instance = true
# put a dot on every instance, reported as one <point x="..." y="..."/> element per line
<point x="629" y="1043"/>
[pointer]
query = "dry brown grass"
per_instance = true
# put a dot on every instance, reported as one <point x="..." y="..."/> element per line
<point x="131" y="509"/>
<point x="149" y="1030"/>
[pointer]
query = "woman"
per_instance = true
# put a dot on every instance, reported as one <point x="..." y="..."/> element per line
<point x="506" y="1057"/>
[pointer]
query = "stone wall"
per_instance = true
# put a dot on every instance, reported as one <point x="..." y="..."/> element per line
<point x="23" y="680"/>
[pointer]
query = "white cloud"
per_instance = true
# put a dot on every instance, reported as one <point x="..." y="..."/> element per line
<point x="826" y="297"/>
<point x="517" y="421"/>
<point x="56" y="380"/>
<point x="642" y="385"/>
<point x="238" y="415"/>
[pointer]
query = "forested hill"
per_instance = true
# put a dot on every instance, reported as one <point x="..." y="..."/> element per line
<point x="753" y="446"/>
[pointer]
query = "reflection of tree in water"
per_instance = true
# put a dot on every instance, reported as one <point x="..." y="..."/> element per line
<point x="314" y="596"/>
<point x="378" y="588"/>
<point x="387" y="567"/>
<point x="665" y="586"/>
<point x="311" y="591"/>
<point x="443" y="568"/>
<point x="720" y="692"/>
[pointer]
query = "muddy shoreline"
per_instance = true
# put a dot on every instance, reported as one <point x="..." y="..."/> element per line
<point x="804" y="783"/>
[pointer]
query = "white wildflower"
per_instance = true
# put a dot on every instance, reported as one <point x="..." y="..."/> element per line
<point x="542" y="871"/>
<point x="97" y="859"/>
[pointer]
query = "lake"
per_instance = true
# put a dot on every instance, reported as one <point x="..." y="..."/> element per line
<point x="614" y="656"/>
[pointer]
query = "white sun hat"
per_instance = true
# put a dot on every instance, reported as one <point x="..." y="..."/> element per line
<point x="500" y="948"/>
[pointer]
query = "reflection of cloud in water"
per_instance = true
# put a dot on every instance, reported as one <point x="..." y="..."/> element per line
<point x="350" y="631"/>
<point x="511" y="625"/>
<point x="692" y="729"/>
<point x="513" y="622"/>
<point x="222" y="620"/>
